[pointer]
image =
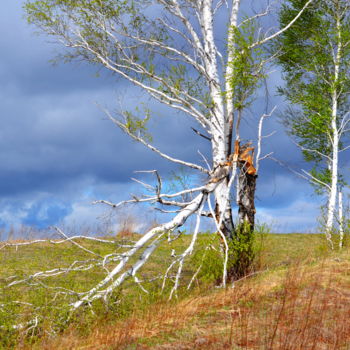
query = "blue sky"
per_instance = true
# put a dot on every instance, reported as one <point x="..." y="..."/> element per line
<point x="58" y="152"/>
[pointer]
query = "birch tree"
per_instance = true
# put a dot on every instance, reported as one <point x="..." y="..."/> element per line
<point x="316" y="65"/>
<point x="171" y="50"/>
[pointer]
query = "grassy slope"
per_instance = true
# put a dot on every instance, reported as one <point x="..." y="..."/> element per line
<point x="299" y="300"/>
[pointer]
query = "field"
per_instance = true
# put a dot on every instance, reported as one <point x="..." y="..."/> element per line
<point x="296" y="297"/>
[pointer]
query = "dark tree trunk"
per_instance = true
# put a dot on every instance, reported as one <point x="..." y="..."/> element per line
<point x="246" y="200"/>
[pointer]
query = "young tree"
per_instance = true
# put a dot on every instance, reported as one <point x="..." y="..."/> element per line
<point x="170" y="49"/>
<point x="316" y="63"/>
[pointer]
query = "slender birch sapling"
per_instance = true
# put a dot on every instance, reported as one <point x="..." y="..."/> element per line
<point x="316" y="63"/>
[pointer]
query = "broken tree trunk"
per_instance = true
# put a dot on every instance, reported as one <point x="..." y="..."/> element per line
<point x="246" y="202"/>
<point x="246" y="185"/>
<point x="243" y="252"/>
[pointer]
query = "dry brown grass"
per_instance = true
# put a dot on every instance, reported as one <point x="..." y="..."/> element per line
<point x="304" y="307"/>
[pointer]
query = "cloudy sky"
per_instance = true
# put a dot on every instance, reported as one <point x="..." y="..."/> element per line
<point x="59" y="153"/>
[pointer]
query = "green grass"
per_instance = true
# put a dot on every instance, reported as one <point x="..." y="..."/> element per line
<point x="41" y="297"/>
<point x="285" y="249"/>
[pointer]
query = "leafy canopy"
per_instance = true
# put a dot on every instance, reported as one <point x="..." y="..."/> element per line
<point x="308" y="56"/>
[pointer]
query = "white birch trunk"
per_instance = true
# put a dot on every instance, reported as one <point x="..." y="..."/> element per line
<point x="229" y="72"/>
<point x="332" y="199"/>
<point x="341" y="219"/>
<point x="332" y="196"/>
<point x="220" y="128"/>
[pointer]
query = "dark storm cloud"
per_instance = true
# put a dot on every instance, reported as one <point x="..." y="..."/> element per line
<point x="54" y="138"/>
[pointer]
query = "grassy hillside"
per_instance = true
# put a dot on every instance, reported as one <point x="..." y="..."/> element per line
<point x="297" y="297"/>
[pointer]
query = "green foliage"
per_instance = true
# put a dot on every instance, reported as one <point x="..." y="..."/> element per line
<point x="208" y="258"/>
<point x="59" y="17"/>
<point x="246" y="64"/>
<point x="241" y="252"/>
<point x="83" y="11"/>
<point x="308" y="56"/>
<point x="138" y="126"/>
<point x="245" y="249"/>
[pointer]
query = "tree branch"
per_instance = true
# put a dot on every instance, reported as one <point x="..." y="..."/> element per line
<point x="265" y="40"/>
